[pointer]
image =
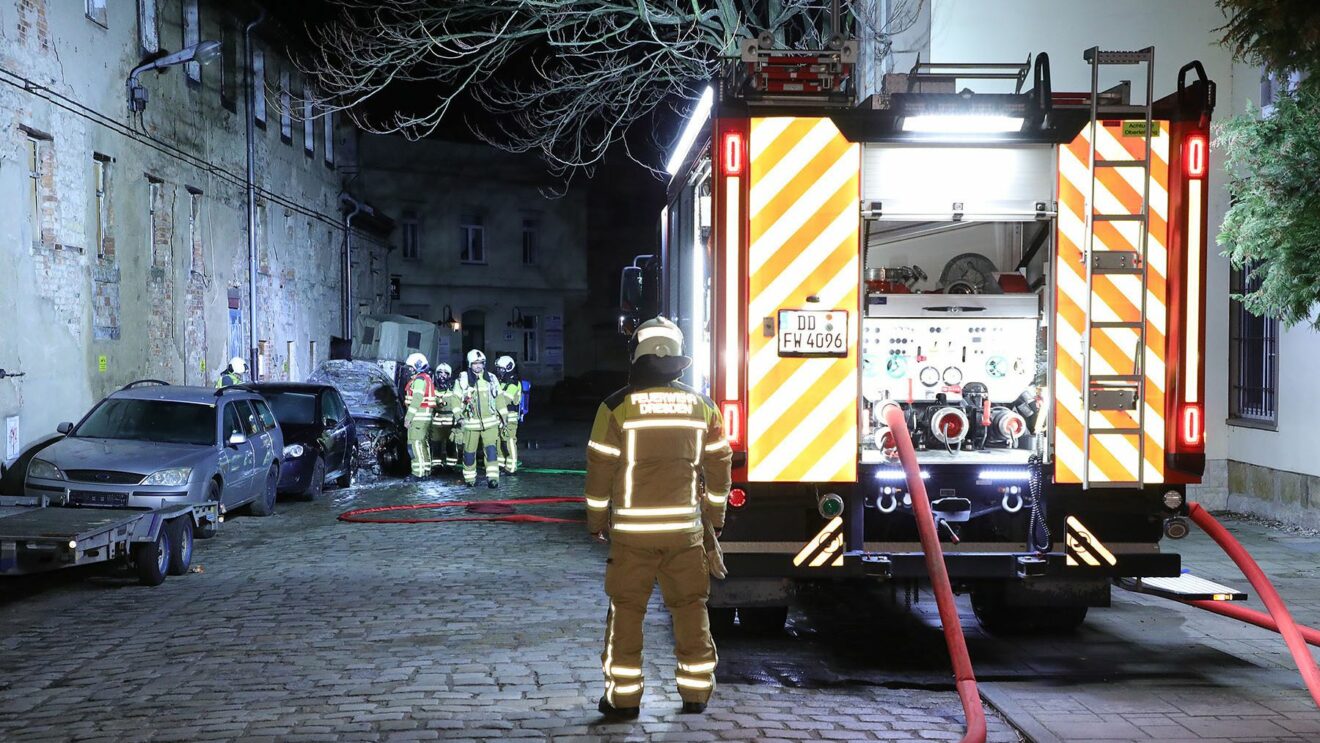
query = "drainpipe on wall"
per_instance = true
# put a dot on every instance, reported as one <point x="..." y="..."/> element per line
<point x="346" y="199"/>
<point x="251" y="96"/>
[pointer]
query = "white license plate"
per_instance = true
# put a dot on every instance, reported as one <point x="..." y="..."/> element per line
<point x="813" y="332"/>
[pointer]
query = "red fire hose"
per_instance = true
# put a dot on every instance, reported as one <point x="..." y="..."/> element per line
<point x="1251" y="616"/>
<point x="1282" y="618"/>
<point x="364" y="515"/>
<point x="939" y="578"/>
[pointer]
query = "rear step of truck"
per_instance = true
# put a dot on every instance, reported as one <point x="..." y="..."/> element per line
<point x="1186" y="587"/>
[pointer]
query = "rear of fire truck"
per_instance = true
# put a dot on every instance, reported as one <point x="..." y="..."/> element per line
<point x="1021" y="271"/>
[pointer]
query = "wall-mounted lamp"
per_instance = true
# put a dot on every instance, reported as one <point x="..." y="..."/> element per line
<point x="203" y="52"/>
<point x="449" y="319"/>
<point x="516" y="320"/>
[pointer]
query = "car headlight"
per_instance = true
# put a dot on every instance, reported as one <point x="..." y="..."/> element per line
<point x="44" y="470"/>
<point x="293" y="450"/>
<point x="172" y="477"/>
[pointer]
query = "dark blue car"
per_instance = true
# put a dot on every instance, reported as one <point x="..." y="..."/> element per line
<point x="320" y="438"/>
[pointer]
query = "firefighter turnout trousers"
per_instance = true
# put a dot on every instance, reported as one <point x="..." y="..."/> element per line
<point x="685" y="585"/>
<point x="510" y="404"/>
<point x="476" y="400"/>
<point x="650" y="451"/>
<point x="421" y="404"/>
<point x="443" y="448"/>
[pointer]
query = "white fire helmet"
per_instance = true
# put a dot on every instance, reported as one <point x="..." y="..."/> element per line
<point x="475" y="357"/>
<point x="504" y="364"/>
<point x="657" y="337"/>
<point x="416" y="361"/>
<point x="445" y="370"/>
<point x="238" y="365"/>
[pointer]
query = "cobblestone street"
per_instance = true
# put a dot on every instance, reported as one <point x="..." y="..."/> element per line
<point x="304" y="628"/>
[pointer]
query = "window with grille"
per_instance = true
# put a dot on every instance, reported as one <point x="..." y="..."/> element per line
<point x="286" y="109"/>
<point x="95" y="11"/>
<point x="531" y="351"/>
<point x="309" y="123"/>
<point x="259" y="87"/>
<point x="1253" y="359"/>
<point x="100" y="185"/>
<point x="472" y="236"/>
<point x="328" y="137"/>
<point x="408" y="229"/>
<point x="531" y="229"/>
<point x="148" y="27"/>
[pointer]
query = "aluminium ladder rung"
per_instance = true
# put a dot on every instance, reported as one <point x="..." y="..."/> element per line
<point x="1116" y="325"/>
<point x="1114" y="484"/>
<point x="1115" y="431"/>
<point x="1115" y="111"/>
<point x="1121" y="163"/>
<point x="1120" y="378"/>
<point x="1123" y="57"/>
<point x="1119" y="217"/>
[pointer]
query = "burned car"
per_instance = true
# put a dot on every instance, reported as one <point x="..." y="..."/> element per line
<point x="377" y="413"/>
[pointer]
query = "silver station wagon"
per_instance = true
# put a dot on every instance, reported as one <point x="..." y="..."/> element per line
<point x="153" y="444"/>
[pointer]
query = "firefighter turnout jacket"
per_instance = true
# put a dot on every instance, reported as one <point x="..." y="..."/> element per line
<point x="650" y="452"/>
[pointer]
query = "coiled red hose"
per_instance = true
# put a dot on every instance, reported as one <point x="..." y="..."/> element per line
<point x="964" y="678"/>
<point x="1283" y="620"/>
<point x="363" y="515"/>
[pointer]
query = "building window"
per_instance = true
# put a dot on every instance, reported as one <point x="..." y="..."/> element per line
<point x="1253" y="366"/>
<point x="286" y="109"/>
<point x="34" y="187"/>
<point x="228" y="64"/>
<point x="148" y="27"/>
<point x="409" y="230"/>
<point x="192" y="34"/>
<point x="328" y="122"/>
<point x="154" y="207"/>
<point x="472" y="240"/>
<point x="530" y="239"/>
<point x="309" y="124"/>
<point x="100" y="184"/>
<point x="195" y="231"/>
<point x="531" y="339"/>
<point x="259" y="87"/>
<point x="95" y="10"/>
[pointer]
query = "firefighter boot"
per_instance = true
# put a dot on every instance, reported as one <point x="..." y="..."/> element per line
<point x="618" y="713"/>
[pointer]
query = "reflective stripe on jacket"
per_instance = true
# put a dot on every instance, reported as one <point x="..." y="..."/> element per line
<point x="476" y="401"/>
<point x="510" y="401"/>
<point x="650" y="451"/>
<point x="421" y="397"/>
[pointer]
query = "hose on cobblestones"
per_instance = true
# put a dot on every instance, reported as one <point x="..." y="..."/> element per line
<point x="1283" y="620"/>
<point x="545" y="471"/>
<point x="964" y="678"/>
<point x="369" y="515"/>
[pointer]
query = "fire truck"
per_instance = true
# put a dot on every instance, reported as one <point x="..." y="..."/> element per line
<point x="1022" y="270"/>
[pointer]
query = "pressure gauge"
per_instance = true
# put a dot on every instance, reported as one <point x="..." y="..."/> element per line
<point x="953" y="375"/>
<point x="930" y="376"/>
<point x="896" y="367"/>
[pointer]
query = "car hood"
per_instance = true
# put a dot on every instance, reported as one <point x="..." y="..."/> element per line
<point x="144" y="457"/>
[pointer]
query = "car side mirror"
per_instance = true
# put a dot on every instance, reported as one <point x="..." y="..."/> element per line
<point x="64" y="427"/>
<point x="237" y="439"/>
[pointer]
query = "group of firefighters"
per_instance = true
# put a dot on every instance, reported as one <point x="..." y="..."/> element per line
<point x="453" y="420"/>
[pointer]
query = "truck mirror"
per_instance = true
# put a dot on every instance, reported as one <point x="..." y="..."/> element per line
<point x="630" y="289"/>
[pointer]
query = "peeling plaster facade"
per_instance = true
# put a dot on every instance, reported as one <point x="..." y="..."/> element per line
<point x="125" y="237"/>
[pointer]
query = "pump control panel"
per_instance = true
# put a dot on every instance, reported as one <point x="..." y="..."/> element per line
<point x="924" y="345"/>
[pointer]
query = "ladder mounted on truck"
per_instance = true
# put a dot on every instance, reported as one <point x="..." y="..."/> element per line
<point x="1124" y="390"/>
<point x="815" y="76"/>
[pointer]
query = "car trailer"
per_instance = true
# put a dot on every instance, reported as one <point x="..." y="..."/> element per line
<point x="36" y="537"/>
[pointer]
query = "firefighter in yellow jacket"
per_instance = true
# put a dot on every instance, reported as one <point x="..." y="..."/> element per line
<point x="476" y="399"/>
<point x="421" y="406"/>
<point x="653" y="445"/>
<point x="510" y="408"/>
<point x="442" y="420"/>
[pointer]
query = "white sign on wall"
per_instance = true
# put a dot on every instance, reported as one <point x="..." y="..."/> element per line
<point x="11" y="438"/>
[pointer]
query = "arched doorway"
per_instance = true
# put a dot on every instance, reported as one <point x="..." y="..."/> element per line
<point x="474" y="332"/>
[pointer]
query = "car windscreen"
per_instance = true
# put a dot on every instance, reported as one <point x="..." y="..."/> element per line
<point x="161" y="421"/>
<point x="293" y="408"/>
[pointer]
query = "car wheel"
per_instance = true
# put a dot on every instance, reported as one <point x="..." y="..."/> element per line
<point x="264" y="505"/>
<point x="350" y="468"/>
<point x="181" y="544"/>
<point x="207" y="529"/>
<point x="316" y="485"/>
<point x="152" y="559"/>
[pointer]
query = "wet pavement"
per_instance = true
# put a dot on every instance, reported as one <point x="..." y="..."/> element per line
<point x="301" y="627"/>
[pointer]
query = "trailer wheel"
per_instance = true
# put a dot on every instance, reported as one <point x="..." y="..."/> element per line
<point x="181" y="544"/>
<point x="152" y="559"/>
<point x="721" y="619"/>
<point x="264" y="505"/>
<point x="763" y="620"/>
<point x="208" y="528"/>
